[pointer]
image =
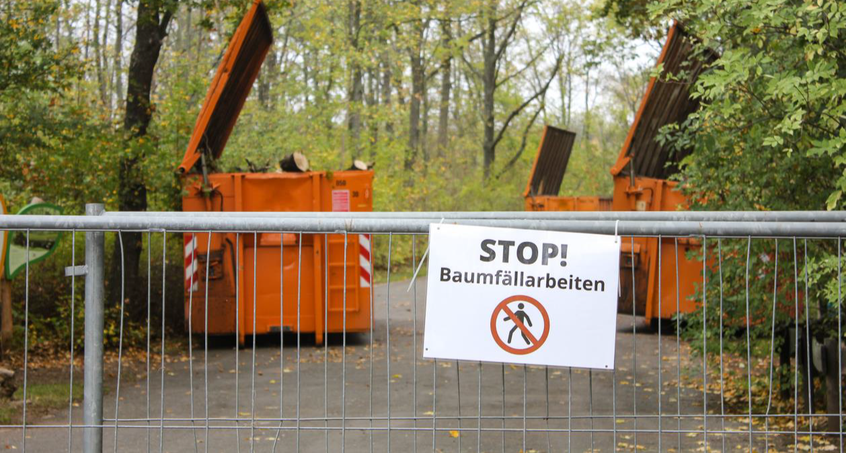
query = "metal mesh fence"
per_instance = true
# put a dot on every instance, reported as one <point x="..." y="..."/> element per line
<point x="759" y="386"/>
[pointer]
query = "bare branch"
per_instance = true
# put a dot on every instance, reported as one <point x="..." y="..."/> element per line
<point x="541" y="92"/>
<point x="528" y="65"/>
<point x="513" y="28"/>
<point x="473" y="70"/>
<point x="519" y="152"/>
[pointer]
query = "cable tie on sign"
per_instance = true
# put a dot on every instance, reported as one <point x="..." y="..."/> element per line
<point x="422" y="259"/>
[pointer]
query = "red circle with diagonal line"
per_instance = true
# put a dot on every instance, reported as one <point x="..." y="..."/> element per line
<point x="536" y="342"/>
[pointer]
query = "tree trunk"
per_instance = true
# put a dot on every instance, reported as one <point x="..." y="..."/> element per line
<point x="199" y="52"/>
<point x="280" y="68"/>
<point x="586" y="125"/>
<point x="103" y="79"/>
<point x="417" y="83"/>
<point x="218" y="20"/>
<point x="58" y="38"/>
<point x="372" y="105"/>
<point x="150" y="31"/>
<point x="387" y="77"/>
<point x="87" y="30"/>
<point x="117" y="68"/>
<point x="6" y="325"/>
<point x="68" y="27"/>
<point x="294" y="162"/>
<point x="446" y="86"/>
<point x="569" y="95"/>
<point x="269" y="75"/>
<point x="489" y="87"/>
<point x="414" y="113"/>
<point x="98" y="60"/>
<point x="424" y="126"/>
<point x="356" y="88"/>
<point x="832" y="383"/>
<point x="189" y="30"/>
<point x="562" y="93"/>
<point x="307" y="82"/>
<point x="265" y="78"/>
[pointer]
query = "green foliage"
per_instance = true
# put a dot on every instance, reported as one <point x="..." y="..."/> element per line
<point x="772" y="104"/>
<point x="44" y="133"/>
<point x="634" y="16"/>
<point x="42" y="140"/>
<point x="50" y="298"/>
<point x="29" y="60"/>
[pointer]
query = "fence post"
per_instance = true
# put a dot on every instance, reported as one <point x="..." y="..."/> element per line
<point x="92" y="440"/>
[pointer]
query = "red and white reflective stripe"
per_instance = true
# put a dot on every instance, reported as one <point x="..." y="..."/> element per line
<point x="364" y="259"/>
<point x="192" y="275"/>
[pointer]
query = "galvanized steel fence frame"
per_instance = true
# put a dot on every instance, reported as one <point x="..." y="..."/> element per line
<point x="538" y="427"/>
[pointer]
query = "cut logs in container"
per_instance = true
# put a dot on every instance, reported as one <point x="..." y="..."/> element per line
<point x="294" y="162"/>
<point x="360" y="165"/>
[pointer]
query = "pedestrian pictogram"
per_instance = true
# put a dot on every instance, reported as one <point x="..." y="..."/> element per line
<point x="514" y="315"/>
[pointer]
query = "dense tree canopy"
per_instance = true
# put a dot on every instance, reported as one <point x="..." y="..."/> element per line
<point x="447" y="98"/>
<point x="771" y="122"/>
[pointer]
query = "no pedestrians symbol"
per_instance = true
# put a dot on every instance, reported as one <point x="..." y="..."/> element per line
<point x="499" y="294"/>
<point x="520" y="325"/>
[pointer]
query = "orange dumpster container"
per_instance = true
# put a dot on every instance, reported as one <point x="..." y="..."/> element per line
<point x="259" y="283"/>
<point x="640" y="184"/>
<point x="548" y="170"/>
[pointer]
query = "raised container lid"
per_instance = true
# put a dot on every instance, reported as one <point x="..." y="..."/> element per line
<point x="230" y="86"/>
<point x="551" y="162"/>
<point x="664" y="102"/>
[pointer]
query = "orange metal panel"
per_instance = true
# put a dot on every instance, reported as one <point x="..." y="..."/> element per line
<point x="650" y="194"/>
<point x="551" y="203"/>
<point x="664" y="102"/>
<point x="320" y="299"/>
<point x="647" y="194"/>
<point x="550" y="162"/>
<point x="690" y="273"/>
<point x="623" y="158"/>
<point x="230" y="86"/>
<point x="346" y="191"/>
<point x="221" y="286"/>
<point x="298" y="286"/>
<point x="278" y="192"/>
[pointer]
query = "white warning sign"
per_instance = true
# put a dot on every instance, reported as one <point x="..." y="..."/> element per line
<point x="521" y="296"/>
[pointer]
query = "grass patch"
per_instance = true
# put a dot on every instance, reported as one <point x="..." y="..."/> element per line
<point x="49" y="396"/>
<point x="398" y="275"/>
<point x="40" y="397"/>
<point x="6" y="413"/>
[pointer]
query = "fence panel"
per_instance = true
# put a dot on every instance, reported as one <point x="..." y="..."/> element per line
<point x="768" y="283"/>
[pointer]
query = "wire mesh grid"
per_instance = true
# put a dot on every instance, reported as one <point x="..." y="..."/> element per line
<point x="373" y="391"/>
